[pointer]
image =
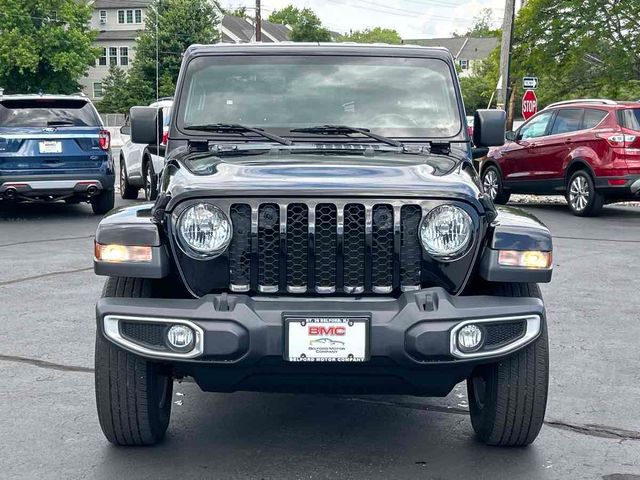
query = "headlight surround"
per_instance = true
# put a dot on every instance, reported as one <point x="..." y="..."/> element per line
<point x="446" y="232"/>
<point x="204" y="231"/>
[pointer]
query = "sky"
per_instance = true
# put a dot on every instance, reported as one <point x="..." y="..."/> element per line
<point x="411" y="18"/>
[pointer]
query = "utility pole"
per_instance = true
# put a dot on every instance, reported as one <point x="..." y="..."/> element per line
<point x="258" y="22"/>
<point x="505" y="52"/>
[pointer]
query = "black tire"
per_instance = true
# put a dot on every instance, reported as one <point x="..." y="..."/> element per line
<point x="582" y="197"/>
<point x="103" y="202"/>
<point x="508" y="399"/>
<point x="127" y="191"/>
<point x="492" y="185"/>
<point x="150" y="181"/>
<point x="133" y="395"/>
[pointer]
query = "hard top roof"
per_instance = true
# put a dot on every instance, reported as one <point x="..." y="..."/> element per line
<point x="297" y="48"/>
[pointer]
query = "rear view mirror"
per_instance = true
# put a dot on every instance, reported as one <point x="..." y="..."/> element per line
<point x="489" y="128"/>
<point x="146" y="125"/>
<point x="511" y="136"/>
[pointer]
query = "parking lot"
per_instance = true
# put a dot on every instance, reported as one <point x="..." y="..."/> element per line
<point x="50" y="428"/>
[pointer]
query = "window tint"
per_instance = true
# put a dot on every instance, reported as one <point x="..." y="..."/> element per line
<point x="537" y="127"/>
<point x="46" y="112"/>
<point x="630" y="118"/>
<point x="593" y="117"/>
<point x="568" y="120"/>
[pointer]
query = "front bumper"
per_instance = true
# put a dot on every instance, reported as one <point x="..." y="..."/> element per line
<point x="241" y="339"/>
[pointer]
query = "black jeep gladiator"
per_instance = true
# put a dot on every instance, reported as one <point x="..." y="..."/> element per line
<point x="320" y="228"/>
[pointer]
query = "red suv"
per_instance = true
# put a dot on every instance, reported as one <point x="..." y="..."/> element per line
<point x="587" y="150"/>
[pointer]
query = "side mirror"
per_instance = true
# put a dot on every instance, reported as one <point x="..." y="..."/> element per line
<point x="146" y="125"/>
<point x="125" y="130"/>
<point x="489" y="128"/>
<point x="479" y="152"/>
<point x="511" y="136"/>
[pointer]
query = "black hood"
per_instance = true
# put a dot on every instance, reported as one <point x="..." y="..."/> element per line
<point x="317" y="175"/>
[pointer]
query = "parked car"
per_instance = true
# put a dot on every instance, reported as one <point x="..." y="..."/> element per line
<point x="52" y="148"/>
<point x="141" y="164"/>
<point x="321" y="192"/>
<point x="587" y="150"/>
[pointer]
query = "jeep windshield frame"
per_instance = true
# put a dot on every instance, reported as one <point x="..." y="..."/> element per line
<point x="281" y="91"/>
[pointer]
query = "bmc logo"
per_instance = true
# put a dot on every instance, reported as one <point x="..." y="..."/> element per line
<point x="336" y="331"/>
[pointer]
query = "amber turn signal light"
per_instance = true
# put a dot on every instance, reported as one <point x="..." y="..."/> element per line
<point x="122" y="253"/>
<point x="525" y="259"/>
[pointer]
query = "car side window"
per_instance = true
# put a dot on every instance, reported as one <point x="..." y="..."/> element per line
<point x="537" y="127"/>
<point x="567" y="120"/>
<point x="593" y="117"/>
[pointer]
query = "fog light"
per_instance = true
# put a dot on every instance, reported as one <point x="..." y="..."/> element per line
<point x="180" y="338"/>
<point x="470" y="338"/>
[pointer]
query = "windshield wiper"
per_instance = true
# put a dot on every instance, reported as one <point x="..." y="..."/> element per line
<point x="237" y="128"/>
<point x="345" y="130"/>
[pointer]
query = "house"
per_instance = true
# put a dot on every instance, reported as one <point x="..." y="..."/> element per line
<point x="468" y="52"/>
<point x="119" y="23"/>
<point x="241" y="30"/>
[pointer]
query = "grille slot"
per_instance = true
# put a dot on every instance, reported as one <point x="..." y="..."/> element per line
<point x="499" y="334"/>
<point x="324" y="247"/>
<point x="268" y="247"/>
<point x="148" y="334"/>
<point x="240" y="248"/>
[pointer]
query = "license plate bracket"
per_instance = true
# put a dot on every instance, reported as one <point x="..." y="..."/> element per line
<point x="50" y="146"/>
<point x="324" y="338"/>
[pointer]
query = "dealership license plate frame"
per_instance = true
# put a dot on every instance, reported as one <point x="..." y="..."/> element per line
<point x="362" y="338"/>
<point x="50" y="146"/>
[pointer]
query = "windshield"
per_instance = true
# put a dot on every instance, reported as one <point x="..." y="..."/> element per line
<point x="400" y="97"/>
<point x="47" y="112"/>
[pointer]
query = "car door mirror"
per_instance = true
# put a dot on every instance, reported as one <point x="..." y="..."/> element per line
<point x="479" y="152"/>
<point x="489" y="128"/>
<point x="146" y="125"/>
<point x="125" y="130"/>
<point x="511" y="136"/>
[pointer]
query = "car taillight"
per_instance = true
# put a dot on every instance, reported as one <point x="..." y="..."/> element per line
<point x="618" y="139"/>
<point x="165" y="137"/>
<point x="104" y="139"/>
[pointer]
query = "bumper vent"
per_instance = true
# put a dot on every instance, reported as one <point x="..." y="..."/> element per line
<point x="500" y="334"/>
<point x="150" y="335"/>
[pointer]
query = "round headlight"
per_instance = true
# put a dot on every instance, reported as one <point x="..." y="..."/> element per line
<point x="446" y="231"/>
<point x="204" y="230"/>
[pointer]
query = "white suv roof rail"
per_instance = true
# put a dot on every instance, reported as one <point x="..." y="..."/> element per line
<point x="585" y="100"/>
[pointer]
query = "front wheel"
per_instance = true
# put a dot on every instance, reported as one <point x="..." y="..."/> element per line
<point x="133" y="395"/>
<point x="508" y="399"/>
<point x="150" y="182"/>
<point x="127" y="191"/>
<point x="492" y="184"/>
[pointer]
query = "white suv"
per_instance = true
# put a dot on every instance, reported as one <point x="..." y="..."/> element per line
<point x="141" y="164"/>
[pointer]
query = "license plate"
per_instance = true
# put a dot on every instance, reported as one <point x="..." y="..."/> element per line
<point x="326" y="339"/>
<point x="50" y="147"/>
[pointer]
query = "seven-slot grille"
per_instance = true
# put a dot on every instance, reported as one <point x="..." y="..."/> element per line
<point x="325" y="247"/>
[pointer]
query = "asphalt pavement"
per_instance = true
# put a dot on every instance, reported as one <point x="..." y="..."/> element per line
<point x="49" y="428"/>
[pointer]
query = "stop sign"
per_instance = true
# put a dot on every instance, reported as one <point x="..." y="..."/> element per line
<point x="529" y="104"/>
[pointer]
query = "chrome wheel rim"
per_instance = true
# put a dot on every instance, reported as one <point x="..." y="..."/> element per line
<point x="579" y="193"/>
<point x="490" y="184"/>
<point x="147" y="183"/>
<point x="123" y="175"/>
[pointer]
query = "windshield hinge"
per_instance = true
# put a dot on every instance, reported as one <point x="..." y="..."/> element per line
<point x="442" y="148"/>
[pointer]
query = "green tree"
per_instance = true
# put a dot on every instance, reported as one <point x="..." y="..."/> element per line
<point x="482" y="26"/>
<point x="579" y="48"/>
<point x="181" y="23"/>
<point x="374" y="35"/>
<point x="116" y="97"/>
<point x="45" y="45"/>
<point x="305" y="25"/>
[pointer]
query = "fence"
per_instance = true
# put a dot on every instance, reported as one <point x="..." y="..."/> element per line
<point x="113" y="119"/>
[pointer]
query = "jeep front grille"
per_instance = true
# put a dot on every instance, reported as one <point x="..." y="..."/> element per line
<point x="325" y="246"/>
